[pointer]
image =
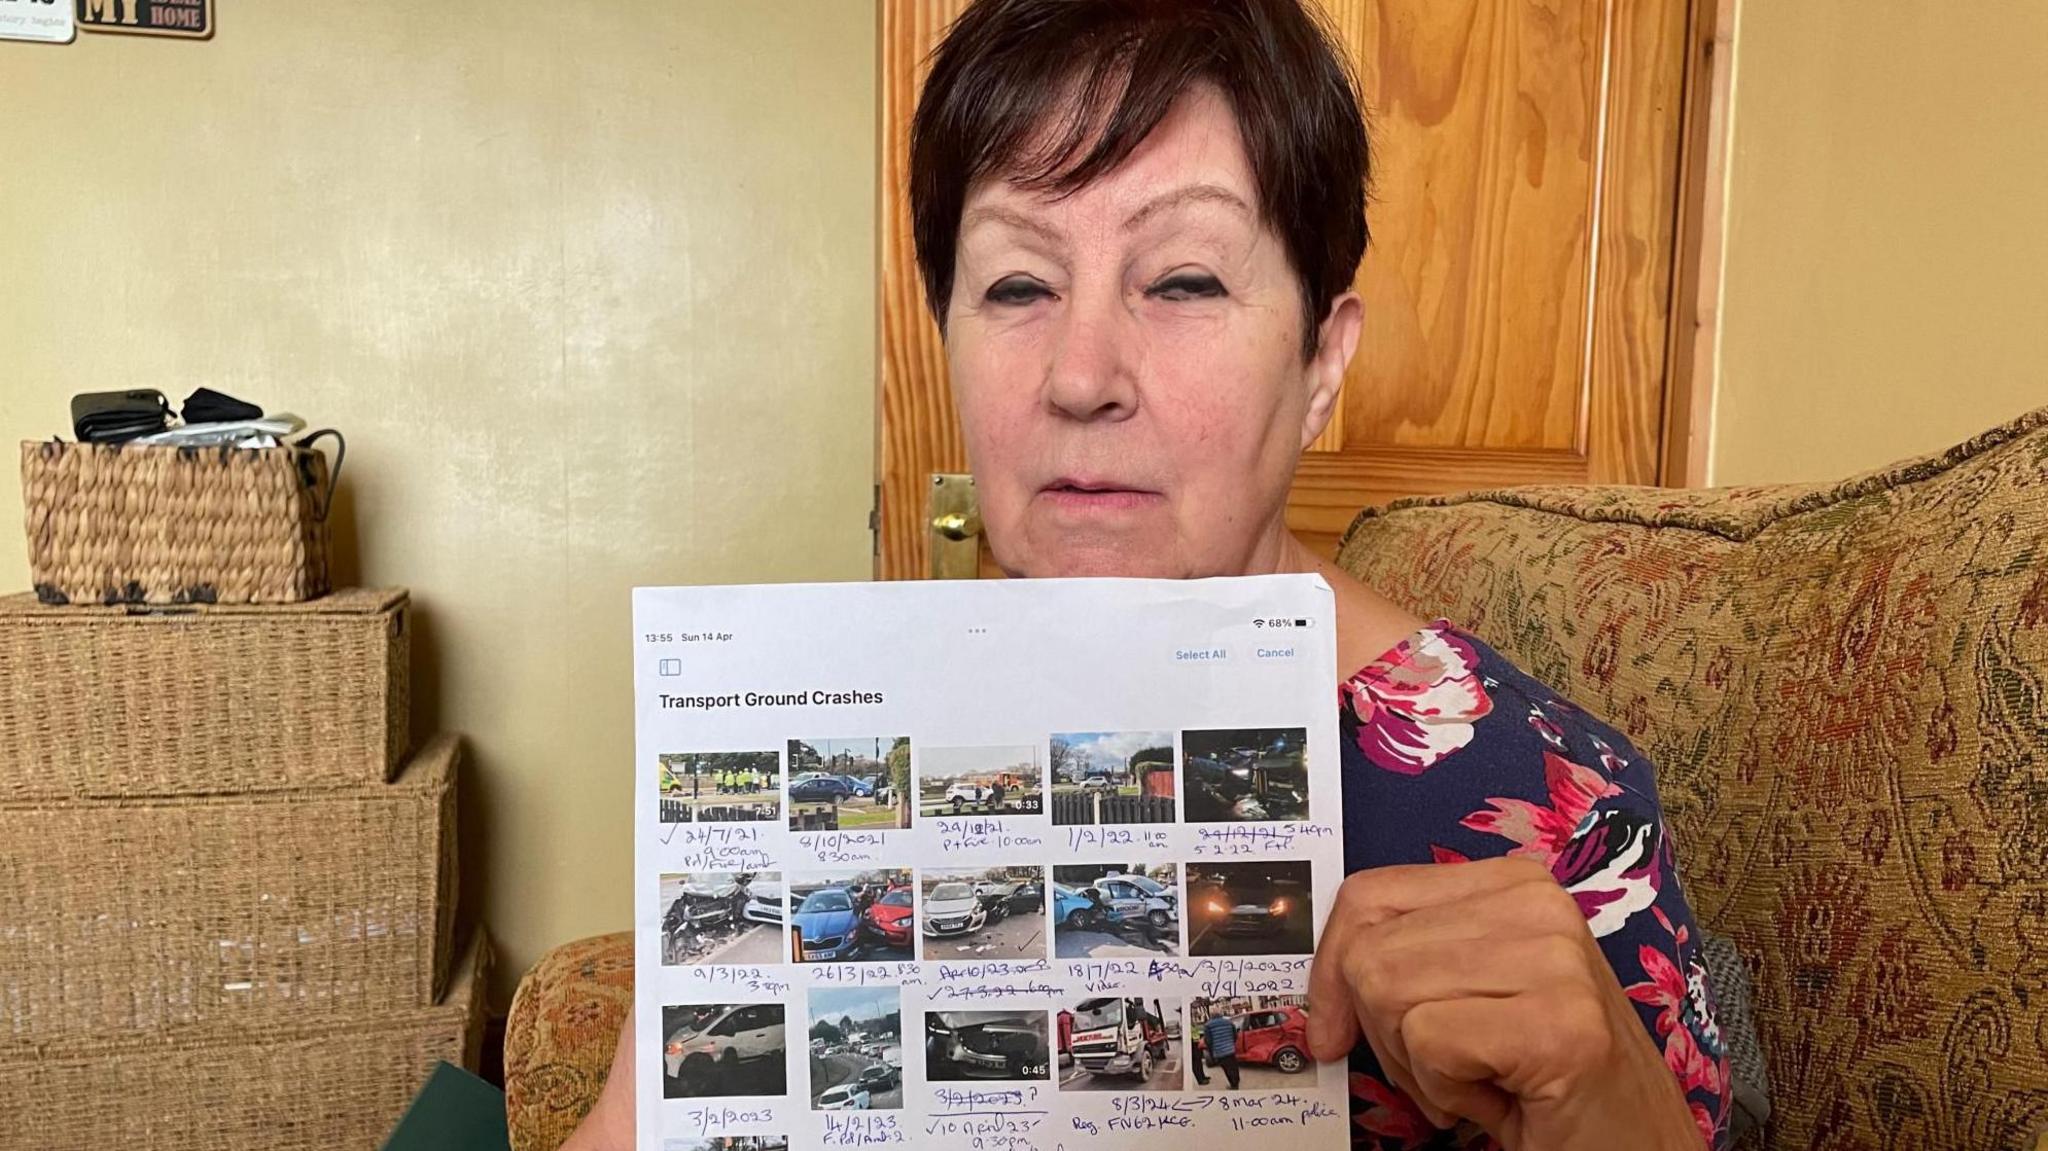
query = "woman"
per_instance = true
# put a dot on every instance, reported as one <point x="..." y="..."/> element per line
<point x="1138" y="222"/>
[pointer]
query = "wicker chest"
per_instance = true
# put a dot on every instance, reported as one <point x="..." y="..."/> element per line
<point x="229" y="884"/>
<point x="137" y="701"/>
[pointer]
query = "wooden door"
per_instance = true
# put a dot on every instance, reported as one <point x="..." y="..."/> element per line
<point x="1519" y="290"/>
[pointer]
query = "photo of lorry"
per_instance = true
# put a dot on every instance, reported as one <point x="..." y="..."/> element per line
<point x="1116" y="1038"/>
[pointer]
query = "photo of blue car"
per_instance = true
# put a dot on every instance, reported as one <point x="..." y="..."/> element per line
<point x="1102" y="910"/>
<point x="828" y="926"/>
<point x="819" y="789"/>
<point x="852" y="916"/>
<point x="1070" y="908"/>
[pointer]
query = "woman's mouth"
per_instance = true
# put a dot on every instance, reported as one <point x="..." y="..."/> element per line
<point x="1086" y="494"/>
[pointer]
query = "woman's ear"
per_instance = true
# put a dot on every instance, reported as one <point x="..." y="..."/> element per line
<point x="1339" y="339"/>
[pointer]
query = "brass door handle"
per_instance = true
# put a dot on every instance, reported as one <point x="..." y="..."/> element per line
<point x="956" y="527"/>
<point x="953" y="528"/>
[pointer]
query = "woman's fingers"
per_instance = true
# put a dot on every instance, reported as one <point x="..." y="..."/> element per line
<point x="1485" y="996"/>
<point x="1392" y="983"/>
<point x="1333" y="1024"/>
<point x="1337" y="1015"/>
<point x="1392" y="1054"/>
<point x="1404" y="938"/>
<point x="1517" y="909"/>
<point x="1369" y="899"/>
<point x="1456" y="1045"/>
<point x="1381" y="893"/>
<point x="1356" y="985"/>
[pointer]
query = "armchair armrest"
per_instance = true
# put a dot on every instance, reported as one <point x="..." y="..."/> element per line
<point x="560" y="1036"/>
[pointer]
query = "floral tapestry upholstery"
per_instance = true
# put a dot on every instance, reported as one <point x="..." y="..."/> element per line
<point x="1845" y="690"/>
<point x="558" y="1042"/>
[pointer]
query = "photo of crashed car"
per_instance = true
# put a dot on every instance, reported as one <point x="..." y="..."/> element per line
<point x="852" y="916"/>
<point x="953" y="909"/>
<point x="1103" y="910"/>
<point x="984" y="913"/>
<point x="986" y="1045"/>
<point x="892" y="918"/>
<point x="721" y="917"/>
<point x="828" y="926"/>
<point x="1245" y="774"/>
<point x="1269" y="1036"/>
<point x="764" y="900"/>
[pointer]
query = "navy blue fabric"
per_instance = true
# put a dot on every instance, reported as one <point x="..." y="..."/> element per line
<point x="1451" y="752"/>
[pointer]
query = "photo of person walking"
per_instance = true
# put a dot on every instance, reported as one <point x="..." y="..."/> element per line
<point x="1218" y="1046"/>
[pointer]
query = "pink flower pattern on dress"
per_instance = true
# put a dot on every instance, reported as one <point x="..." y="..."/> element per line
<point x="1542" y="831"/>
<point x="1417" y="704"/>
<point x="1533" y="776"/>
<point x="1685" y="1025"/>
<point x="1609" y="860"/>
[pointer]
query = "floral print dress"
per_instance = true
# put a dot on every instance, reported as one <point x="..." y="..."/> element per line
<point x="1452" y="753"/>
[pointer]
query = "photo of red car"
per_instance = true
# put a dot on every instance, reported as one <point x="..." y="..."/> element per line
<point x="891" y="918"/>
<point x="1278" y="1038"/>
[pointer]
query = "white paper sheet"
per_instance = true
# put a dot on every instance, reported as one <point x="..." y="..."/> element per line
<point x="1123" y="810"/>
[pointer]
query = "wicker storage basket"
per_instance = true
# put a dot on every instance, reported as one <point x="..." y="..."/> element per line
<point x="111" y="523"/>
<point x="317" y="1084"/>
<point x="98" y="701"/>
<point x="163" y="915"/>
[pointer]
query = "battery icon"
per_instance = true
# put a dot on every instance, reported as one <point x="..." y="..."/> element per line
<point x="1301" y="623"/>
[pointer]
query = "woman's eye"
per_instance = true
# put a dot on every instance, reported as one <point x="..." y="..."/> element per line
<point x="1016" y="290"/>
<point x="1188" y="286"/>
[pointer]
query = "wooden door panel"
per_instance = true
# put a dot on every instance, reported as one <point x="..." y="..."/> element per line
<point x="1483" y="117"/>
<point x="1633" y="299"/>
<point x="920" y="435"/>
<point x="1517" y="292"/>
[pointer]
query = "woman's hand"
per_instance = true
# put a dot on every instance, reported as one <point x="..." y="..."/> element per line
<point x="609" y="1126"/>
<point x="1486" y="998"/>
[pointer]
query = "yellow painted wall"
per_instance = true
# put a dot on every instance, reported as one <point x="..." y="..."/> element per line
<point x="590" y="286"/>
<point x="1887" y="252"/>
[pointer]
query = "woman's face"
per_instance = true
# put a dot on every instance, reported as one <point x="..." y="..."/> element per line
<point x="1127" y="363"/>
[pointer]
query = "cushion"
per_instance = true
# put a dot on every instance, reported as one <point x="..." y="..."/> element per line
<point x="1845" y="689"/>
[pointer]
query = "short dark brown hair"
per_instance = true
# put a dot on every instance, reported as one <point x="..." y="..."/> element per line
<point x="1110" y="70"/>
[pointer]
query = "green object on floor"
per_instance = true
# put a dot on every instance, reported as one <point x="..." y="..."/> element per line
<point x="455" y="1111"/>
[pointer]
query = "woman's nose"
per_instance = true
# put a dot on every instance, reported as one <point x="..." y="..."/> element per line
<point x="1093" y="372"/>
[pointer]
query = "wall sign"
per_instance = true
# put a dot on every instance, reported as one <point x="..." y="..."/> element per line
<point x="47" y="20"/>
<point x="189" y="18"/>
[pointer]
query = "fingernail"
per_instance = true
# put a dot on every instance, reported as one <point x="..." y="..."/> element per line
<point x="1319" y="1036"/>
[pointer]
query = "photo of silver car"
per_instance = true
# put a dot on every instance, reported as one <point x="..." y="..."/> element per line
<point x="953" y="909"/>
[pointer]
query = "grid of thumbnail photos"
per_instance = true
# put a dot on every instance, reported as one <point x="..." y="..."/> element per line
<point x="852" y="1042"/>
<point x="852" y="1039"/>
<point x="867" y="783"/>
